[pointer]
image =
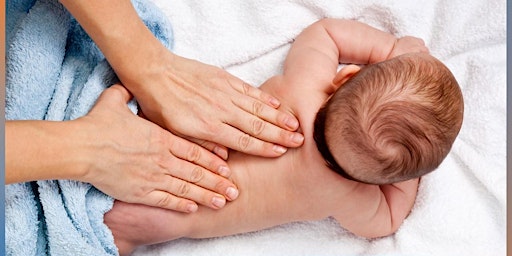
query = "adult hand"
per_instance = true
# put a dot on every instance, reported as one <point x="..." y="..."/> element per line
<point x="195" y="100"/>
<point x="408" y="44"/>
<point x="136" y="161"/>
<point x="186" y="97"/>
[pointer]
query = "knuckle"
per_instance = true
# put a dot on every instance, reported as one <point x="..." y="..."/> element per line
<point x="246" y="88"/>
<point x="194" y="153"/>
<point x="257" y="108"/>
<point x="139" y="192"/>
<point x="285" y="135"/>
<point x="160" y="160"/>
<point x="283" y="118"/>
<point x="220" y="73"/>
<point x="257" y="126"/>
<point x="183" y="189"/>
<point x="209" y="131"/>
<point x="181" y="205"/>
<point x="165" y="201"/>
<point x="151" y="175"/>
<point x="197" y="174"/>
<point x="221" y="185"/>
<point x="244" y="141"/>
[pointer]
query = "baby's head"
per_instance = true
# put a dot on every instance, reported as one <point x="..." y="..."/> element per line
<point x="391" y="121"/>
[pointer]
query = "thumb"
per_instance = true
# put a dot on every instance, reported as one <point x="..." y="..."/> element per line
<point x="116" y="92"/>
<point x="112" y="97"/>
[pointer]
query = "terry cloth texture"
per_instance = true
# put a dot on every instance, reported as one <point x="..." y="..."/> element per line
<point x="460" y="207"/>
<point x="55" y="72"/>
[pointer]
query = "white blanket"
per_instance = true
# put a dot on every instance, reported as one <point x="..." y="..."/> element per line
<point x="461" y="207"/>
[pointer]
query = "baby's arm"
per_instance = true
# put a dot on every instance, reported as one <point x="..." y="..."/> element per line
<point x="319" y="49"/>
<point x="399" y="198"/>
<point x="379" y="210"/>
<point x="329" y="42"/>
<point x="356" y="42"/>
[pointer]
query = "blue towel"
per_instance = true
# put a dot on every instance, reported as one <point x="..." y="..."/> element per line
<point x="54" y="71"/>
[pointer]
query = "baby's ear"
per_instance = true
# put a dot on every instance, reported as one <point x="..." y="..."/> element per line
<point x="344" y="74"/>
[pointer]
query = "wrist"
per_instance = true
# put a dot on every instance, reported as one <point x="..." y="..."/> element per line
<point x="143" y="65"/>
<point x="80" y="149"/>
<point x="155" y="68"/>
<point x="391" y="52"/>
<point x="131" y="52"/>
<point x="114" y="25"/>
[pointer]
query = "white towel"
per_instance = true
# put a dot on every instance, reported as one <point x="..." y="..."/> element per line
<point x="461" y="207"/>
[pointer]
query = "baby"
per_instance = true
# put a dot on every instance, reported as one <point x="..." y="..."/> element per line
<point x="370" y="133"/>
<point x="394" y="121"/>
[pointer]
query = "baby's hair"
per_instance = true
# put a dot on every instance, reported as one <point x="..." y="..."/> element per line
<point x="399" y="118"/>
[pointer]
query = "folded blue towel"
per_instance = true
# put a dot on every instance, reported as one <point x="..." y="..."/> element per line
<point x="54" y="71"/>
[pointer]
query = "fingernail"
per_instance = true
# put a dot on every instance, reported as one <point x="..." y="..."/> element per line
<point x="224" y="171"/>
<point x="218" y="202"/>
<point x="298" y="138"/>
<point x="192" y="207"/>
<point x="279" y="149"/>
<point x="232" y="193"/>
<point x="292" y="123"/>
<point x="274" y="102"/>
<point x="223" y="153"/>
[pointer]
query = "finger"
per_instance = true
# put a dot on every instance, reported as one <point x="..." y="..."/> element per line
<point x="194" y="153"/>
<point x="118" y="90"/>
<point x="240" y="141"/>
<point x="198" y="184"/>
<point x="216" y="148"/>
<point x="112" y="98"/>
<point x="186" y="190"/>
<point x="163" y="199"/>
<point x="194" y="174"/>
<point x="274" y="116"/>
<point x="267" y="132"/>
<point x="263" y="130"/>
<point x="253" y="92"/>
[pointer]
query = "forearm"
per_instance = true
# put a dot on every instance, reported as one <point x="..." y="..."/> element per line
<point x="41" y="150"/>
<point x="114" y="25"/>
<point x="358" y="43"/>
<point x="400" y="198"/>
<point x="323" y="45"/>
<point x="394" y="205"/>
<point x="380" y="210"/>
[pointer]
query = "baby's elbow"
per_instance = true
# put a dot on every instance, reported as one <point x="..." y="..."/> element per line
<point x="375" y="235"/>
<point x="379" y="231"/>
<point x="384" y="233"/>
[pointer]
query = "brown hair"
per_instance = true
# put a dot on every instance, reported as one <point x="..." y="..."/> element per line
<point x="399" y="118"/>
